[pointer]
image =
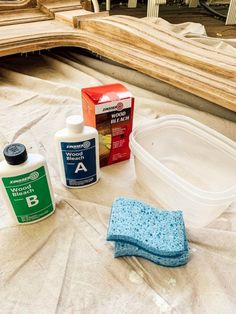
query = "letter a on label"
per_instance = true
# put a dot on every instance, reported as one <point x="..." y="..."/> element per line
<point x="81" y="167"/>
<point x="32" y="200"/>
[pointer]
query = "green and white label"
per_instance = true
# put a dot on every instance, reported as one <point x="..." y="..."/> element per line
<point x="29" y="195"/>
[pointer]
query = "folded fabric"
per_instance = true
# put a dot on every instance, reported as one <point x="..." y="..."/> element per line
<point x="142" y="230"/>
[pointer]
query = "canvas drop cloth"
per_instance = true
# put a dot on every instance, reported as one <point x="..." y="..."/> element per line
<point x="63" y="264"/>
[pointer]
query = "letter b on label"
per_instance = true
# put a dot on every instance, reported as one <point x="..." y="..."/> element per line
<point x="32" y="200"/>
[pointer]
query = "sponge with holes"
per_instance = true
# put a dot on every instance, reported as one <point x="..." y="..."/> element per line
<point x="126" y="249"/>
<point x="142" y="230"/>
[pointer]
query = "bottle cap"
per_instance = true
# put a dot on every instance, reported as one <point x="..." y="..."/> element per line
<point x="15" y="154"/>
<point x="75" y="123"/>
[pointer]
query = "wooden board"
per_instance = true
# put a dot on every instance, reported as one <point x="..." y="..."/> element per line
<point x="17" y="4"/>
<point x="73" y="17"/>
<point x="141" y="45"/>
<point x="22" y="16"/>
<point x="151" y="39"/>
<point x="61" y="5"/>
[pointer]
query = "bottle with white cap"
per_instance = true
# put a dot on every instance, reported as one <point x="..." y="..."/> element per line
<point x="77" y="153"/>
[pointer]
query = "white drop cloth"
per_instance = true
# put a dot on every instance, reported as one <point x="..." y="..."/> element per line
<point x="64" y="264"/>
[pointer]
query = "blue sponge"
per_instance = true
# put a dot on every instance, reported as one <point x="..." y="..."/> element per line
<point x="155" y="231"/>
<point x="139" y="229"/>
<point x="126" y="249"/>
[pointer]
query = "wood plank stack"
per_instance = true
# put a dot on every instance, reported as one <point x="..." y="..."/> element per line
<point x="160" y="53"/>
<point x="137" y="43"/>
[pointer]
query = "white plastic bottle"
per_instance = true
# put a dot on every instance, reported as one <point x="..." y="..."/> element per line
<point x="25" y="184"/>
<point x="77" y="153"/>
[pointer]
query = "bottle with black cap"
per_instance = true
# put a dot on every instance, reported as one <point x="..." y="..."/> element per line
<point x="26" y="186"/>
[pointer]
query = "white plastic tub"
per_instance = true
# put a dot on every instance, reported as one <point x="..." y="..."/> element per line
<point x="186" y="165"/>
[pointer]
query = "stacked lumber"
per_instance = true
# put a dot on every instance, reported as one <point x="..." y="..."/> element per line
<point x="136" y="43"/>
<point x="179" y="61"/>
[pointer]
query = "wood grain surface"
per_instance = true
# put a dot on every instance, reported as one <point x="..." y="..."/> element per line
<point x="139" y="44"/>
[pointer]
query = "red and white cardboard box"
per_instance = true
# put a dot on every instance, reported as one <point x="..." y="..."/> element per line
<point x="109" y="109"/>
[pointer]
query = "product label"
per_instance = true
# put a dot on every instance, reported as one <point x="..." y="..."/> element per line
<point x="112" y="106"/>
<point x="29" y="195"/>
<point x="114" y="124"/>
<point x="79" y="162"/>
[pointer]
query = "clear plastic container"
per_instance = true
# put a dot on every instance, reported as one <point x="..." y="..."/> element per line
<point x="186" y="165"/>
